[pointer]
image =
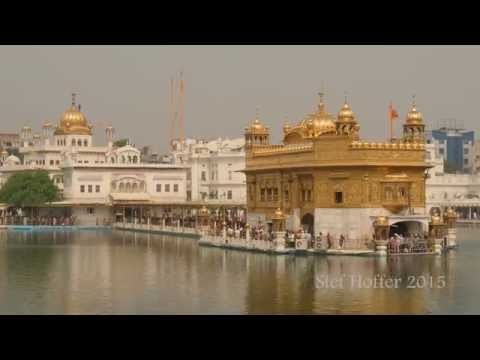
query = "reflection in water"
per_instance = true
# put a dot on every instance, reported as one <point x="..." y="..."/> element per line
<point x="104" y="272"/>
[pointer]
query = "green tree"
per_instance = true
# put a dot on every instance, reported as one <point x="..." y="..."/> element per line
<point x="120" y="143"/>
<point x="29" y="188"/>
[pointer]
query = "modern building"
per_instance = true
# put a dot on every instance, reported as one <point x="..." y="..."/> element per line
<point x="455" y="145"/>
<point x="98" y="183"/>
<point x="461" y="191"/>
<point x="326" y="179"/>
<point x="214" y="169"/>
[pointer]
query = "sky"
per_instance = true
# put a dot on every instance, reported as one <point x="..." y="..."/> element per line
<point x="129" y="86"/>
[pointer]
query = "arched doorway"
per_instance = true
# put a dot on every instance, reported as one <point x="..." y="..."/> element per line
<point x="307" y="223"/>
<point x="404" y="228"/>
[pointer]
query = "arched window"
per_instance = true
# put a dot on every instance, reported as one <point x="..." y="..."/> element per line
<point x="129" y="159"/>
<point x="112" y="159"/>
<point x="114" y="186"/>
<point x="121" y="187"/>
<point x="79" y="142"/>
<point x="135" y="187"/>
<point x="85" y="142"/>
<point x="73" y="142"/>
<point x="123" y="159"/>
<point x="128" y="188"/>
<point x="135" y="159"/>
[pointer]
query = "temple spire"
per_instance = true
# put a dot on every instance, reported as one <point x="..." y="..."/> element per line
<point x="74" y="95"/>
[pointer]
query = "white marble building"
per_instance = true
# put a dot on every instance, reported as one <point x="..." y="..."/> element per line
<point x="214" y="169"/>
<point x="460" y="191"/>
<point x="94" y="179"/>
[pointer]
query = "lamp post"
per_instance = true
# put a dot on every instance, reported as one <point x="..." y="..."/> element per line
<point x="278" y="225"/>
<point x="381" y="228"/>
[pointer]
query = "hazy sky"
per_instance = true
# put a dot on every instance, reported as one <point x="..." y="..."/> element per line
<point x="128" y="86"/>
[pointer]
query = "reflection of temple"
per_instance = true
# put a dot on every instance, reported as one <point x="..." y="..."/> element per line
<point x="328" y="180"/>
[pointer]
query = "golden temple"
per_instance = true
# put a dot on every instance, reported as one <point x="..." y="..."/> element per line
<point x="328" y="179"/>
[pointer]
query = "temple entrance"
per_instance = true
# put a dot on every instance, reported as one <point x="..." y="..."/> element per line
<point x="307" y="223"/>
<point x="406" y="229"/>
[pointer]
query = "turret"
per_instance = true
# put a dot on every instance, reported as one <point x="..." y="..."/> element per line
<point x="414" y="128"/>
<point x="256" y="134"/>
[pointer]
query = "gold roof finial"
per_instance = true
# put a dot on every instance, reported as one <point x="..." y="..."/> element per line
<point x="346" y="97"/>
<point x="74" y="95"/>
<point x="414" y="105"/>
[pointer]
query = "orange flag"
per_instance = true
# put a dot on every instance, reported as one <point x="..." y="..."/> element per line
<point x="393" y="114"/>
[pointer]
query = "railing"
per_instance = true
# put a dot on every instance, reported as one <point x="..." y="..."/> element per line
<point x="153" y="227"/>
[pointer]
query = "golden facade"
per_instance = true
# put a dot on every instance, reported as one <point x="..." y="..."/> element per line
<point x="323" y="164"/>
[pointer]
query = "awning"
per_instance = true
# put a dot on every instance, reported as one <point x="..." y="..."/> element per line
<point x="135" y="197"/>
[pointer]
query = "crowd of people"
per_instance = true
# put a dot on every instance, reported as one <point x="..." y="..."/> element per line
<point x="265" y="233"/>
<point x="409" y="243"/>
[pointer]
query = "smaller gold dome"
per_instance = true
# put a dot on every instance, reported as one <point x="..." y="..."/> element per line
<point x="73" y="122"/>
<point x="346" y="114"/>
<point x="286" y="127"/>
<point x="257" y="126"/>
<point x="414" y="116"/>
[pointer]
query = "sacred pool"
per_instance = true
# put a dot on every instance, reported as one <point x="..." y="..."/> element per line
<point x="122" y="272"/>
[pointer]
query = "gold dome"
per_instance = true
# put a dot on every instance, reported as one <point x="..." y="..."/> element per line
<point x="414" y="116"/>
<point x="256" y="126"/>
<point x="346" y="114"/>
<point x="73" y="122"/>
<point x="320" y="122"/>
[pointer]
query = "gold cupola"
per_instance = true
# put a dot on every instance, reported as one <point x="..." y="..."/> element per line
<point x="312" y="126"/>
<point x="320" y="122"/>
<point x="256" y="133"/>
<point x="346" y="114"/>
<point x="73" y="122"/>
<point x="414" y="128"/>
<point x="414" y="116"/>
<point x="346" y="122"/>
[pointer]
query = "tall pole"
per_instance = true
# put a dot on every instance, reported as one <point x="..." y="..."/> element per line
<point x="172" y="111"/>
<point x="182" y="108"/>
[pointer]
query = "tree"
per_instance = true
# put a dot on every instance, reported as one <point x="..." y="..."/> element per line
<point x="29" y="188"/>
<point x="120" y="143"/>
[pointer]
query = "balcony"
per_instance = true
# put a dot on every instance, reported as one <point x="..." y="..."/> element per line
<point x="395" y="205"/>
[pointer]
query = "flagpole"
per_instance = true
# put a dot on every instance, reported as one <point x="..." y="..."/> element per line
<point x="391" y="122"/>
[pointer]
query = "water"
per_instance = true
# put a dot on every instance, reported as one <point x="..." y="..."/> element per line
<point x="114" y="272"/>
